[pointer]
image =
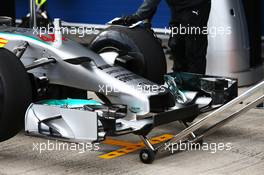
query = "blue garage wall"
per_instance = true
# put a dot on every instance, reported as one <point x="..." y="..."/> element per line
<point x="97" y="12"/>
<point x="100" y="11"/>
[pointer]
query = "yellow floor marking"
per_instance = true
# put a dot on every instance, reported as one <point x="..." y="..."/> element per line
<point x="129" y="147"/>
<point x="110" y="141"/>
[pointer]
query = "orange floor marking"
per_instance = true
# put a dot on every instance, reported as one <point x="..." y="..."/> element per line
<point x="129" y="147"/>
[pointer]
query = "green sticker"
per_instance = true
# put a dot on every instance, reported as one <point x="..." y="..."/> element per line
<point x="70" y="102"/>
<point x="39" y="3"/>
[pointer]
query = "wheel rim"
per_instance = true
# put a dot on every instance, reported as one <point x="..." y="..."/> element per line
<point x="106" y="50"/>
<point x="145" y="156"/>
<point x="114" y="53"/>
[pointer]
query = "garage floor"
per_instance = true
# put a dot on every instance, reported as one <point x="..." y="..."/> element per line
<point x="17" y="156"/>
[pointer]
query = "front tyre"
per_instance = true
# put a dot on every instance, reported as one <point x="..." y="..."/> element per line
<point x="140" y="44"/>
<point x="15" y="94"/>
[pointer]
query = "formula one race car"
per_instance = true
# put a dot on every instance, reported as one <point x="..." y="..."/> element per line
<point x="44" y="81"/>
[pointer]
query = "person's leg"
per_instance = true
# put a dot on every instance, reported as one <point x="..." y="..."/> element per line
<point x="177" y="46"/>
<point x="196" y="50"/>
<point x="196" y="42"/>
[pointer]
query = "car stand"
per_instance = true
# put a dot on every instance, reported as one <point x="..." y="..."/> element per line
<point x="252" y="98"/>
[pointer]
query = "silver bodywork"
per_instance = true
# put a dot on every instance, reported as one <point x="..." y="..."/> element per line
<point x="74" y="124"/>
<point x="90" y="77"/>
<point x="70" y="124"/>
<point x="95" y="74"/>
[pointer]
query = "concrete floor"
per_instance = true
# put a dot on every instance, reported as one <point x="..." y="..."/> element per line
<point x="246" y="156"/>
